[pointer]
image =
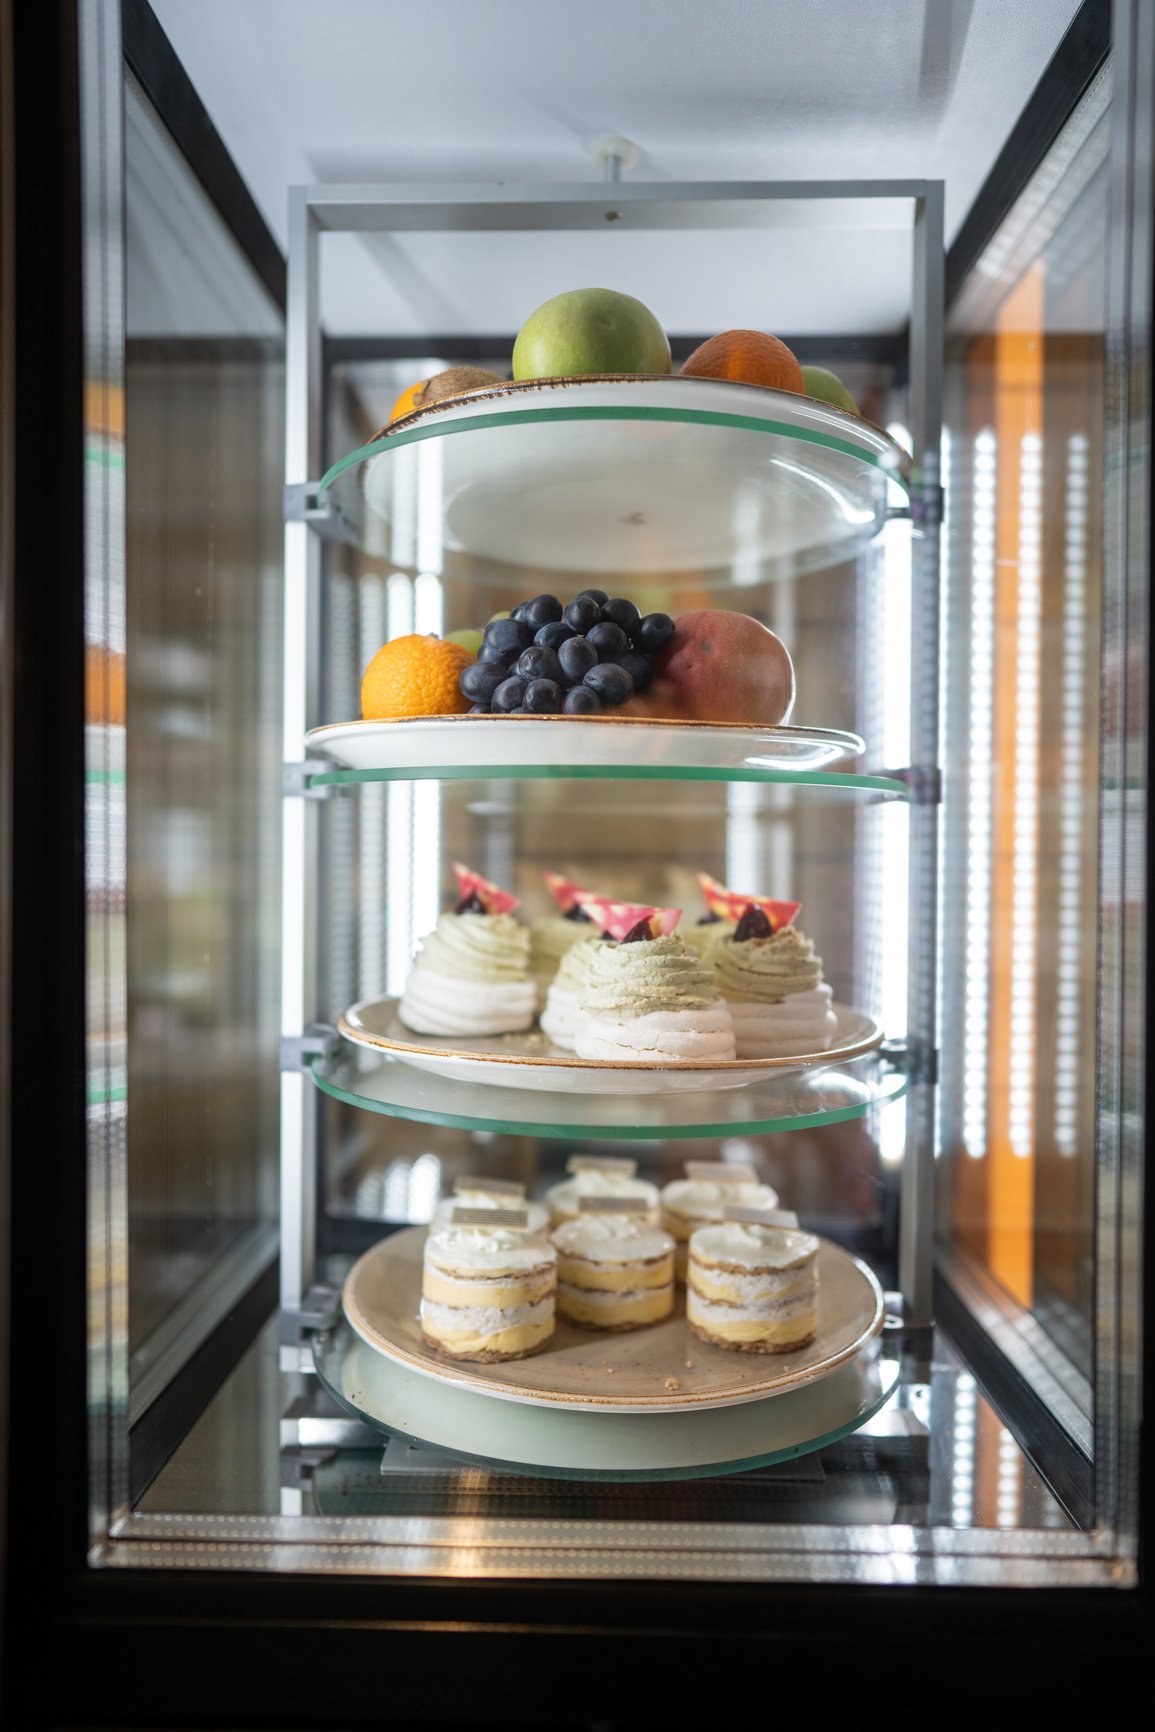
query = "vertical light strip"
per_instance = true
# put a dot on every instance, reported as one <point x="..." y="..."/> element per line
<point x="743" y="850"/>
<point x="371" y="819"/>
<point x="979" y="772"/>
<point x="398" y="913"/>
<point x="1073" y="690"/>
<point x="1024" y="918"/>
<point x="429" y="604"/>
<point x="963" y="1438"/>
<point x="1010" y="1481"/>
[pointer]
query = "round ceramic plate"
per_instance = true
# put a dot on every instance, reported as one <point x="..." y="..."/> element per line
<point x="473" y="1428"/>
<point x="609" y="742"/>
<point x="662" y="1369"/>
<point x="529" y="1061"/>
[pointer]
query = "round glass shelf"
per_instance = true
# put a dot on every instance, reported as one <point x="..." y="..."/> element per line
<point x="795" y="1101"/>
<point x="625" y="476"/>
<point x="628" y="748"/>
<point x="561" y="1444"/>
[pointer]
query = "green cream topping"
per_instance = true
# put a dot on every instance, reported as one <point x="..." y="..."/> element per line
<point x="572" y="970"/>
<point x="703" y="938"/>
<point x="554" y="937"/>
<point x="483" y="947"/>
<point x="628" y="980"/>
<point x="766" y="970"/>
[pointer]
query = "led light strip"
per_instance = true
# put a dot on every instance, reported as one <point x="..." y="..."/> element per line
<point x="1024" y="916"/>
<point x="962" y="1498"/>
<point x="398" y="913"/>
<point x="980" y="746"/>
<point x="1073" y="681"/>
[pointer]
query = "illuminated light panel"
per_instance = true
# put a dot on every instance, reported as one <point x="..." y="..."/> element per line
<point x="1071" y="815"/>
<point x="1008" y="1497"/>
<point x="399" y="815"/>
<point x="1024" y="903"/>
<point x="429" y="538"/>
<point x="371" y="821"/>
<point x="980" y="746"/>
<point x="428" y="604"/>
<point x="962" y="1503"/>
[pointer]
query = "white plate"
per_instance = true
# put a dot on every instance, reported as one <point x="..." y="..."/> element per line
<point x="632" y="1372"/>
<point x="478" y="1429"/>
<point x="610" y="742"/>
<point x="529" y="1061"/>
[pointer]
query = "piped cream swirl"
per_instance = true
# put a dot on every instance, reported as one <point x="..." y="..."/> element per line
<point x="766" y="970"/>
<point x="481" y="947"/>
<point x="631" y="980"/>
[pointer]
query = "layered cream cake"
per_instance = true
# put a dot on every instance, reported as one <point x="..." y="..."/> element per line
<point x="481" y="1193"/>
<point x="615" y="1269"/>
<point x="471" y="973"/>
<point x="597" y="1176"/>
<point x="487" y="1291"/>
<point x="702" y="1198"/>
<point x="772" y="982"/>
<point x="647" y="998"/>
<point x="753" y="1287"/>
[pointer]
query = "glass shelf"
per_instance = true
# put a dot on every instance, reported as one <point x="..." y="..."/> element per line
<point x="626" y="476"/>
<point x="796" y="1101"/>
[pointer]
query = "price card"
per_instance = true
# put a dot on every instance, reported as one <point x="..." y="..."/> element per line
<point x="638" y="1205"/>
<point x="600" y="1164"/>
<point x="490" y="1187"/>
<point x="761" y="1217"/>
<point x="720" y="1173"/>
<point x="490" y="1218"/>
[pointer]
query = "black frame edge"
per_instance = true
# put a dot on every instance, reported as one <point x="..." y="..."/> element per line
<point x="153" y="63"/>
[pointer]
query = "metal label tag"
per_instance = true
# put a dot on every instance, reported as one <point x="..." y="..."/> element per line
<point x="613" y="1205"/>
<point x="600" y="1164"/>
<point x="489" y="1187"/>
<point x="490" y="1218"/>
<point x="761" y="1217"/>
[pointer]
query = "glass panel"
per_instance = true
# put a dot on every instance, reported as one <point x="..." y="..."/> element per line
<point x="1025" y="462"/>
<point x="200" y="696"/>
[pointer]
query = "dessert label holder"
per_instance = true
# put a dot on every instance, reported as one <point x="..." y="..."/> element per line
<point x="490" y="1218"/>
<point x="638" y="1205"/>
<point x="761" y="1217"/>
<point x="721" y="1173"/>
<point x="601" y="1164"/>
<point x="489" y="1187"/>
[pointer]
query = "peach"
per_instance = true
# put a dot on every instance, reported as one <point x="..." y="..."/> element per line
<point x="722" y="667"/>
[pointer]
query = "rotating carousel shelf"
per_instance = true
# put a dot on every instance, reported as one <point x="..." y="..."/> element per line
<point x="625" y="476"/>
<point x="795" y="1100"/>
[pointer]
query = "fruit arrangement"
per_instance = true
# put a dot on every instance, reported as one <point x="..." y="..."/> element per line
<point x="577" y="658"/>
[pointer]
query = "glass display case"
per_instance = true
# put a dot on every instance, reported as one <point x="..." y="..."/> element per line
<point x="957" y="800"/>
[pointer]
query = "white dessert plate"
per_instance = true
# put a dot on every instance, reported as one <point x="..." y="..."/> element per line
<point x="662" y="1369"/>
<point x="529" y="1061"/>
<point x="606" y="742"/>
<point x="562" y="1441"/>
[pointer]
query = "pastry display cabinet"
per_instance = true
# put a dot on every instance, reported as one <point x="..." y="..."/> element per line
<point x="225" y="871"/>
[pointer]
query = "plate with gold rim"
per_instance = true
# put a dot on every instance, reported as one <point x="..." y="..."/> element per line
<point x="530" y="1061"/>
<point x="659" y="1369"/>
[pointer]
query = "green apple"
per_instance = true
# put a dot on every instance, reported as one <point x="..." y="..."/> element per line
<point x="828" y="388"/>
<point x="470" y="640"/>
<point x="590" y="331"/>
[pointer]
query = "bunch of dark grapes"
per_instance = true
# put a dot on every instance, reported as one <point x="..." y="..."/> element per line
<point x="546" y="658"/>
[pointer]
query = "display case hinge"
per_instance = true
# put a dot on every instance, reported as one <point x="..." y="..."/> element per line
<point x="301" y="507"/>
<point x="923" y="780"/>
<point x="295" y="780"/>
<point x="916" y="1058"/>
<point x="318" y="1040"/>
<point x="318" y="1312"/>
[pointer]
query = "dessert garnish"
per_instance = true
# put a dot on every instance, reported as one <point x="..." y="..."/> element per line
<point x="577" y="912"/>
<point x="476" y="889"/>
<point x="753" y="924"/>
<point x="619" y="919"/>
<point x="710" y="919"/>
<point x="639" y="932"/>
<point x="567" y="895"/>
<point x="732" y="904"/>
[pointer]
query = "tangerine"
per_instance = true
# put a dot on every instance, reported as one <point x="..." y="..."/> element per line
<point x="750" y="358"/>
<point x="415" y="676"/>
<point x="408" y="401"/>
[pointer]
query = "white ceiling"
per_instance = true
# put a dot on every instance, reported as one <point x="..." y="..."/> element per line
<point x="486" y="90"/>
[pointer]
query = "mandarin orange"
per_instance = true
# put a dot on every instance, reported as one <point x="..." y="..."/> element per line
<point x="749" y="357"/>
<point x="415" y="676"/>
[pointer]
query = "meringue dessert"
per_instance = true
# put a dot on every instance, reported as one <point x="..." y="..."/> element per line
<point x="724" y="909"/>
<point x="701" y="1200"/>
<point x="597" y="1176"/>
<point x="705" y="933"/>
<point x="477" y="1193"/>
<point x="772" y="982"/>
<point x="648" y="999"/>
<point x="553" y="936"/>
<point x="753" y="1288"/>
<point x="563" y="1011"/>
<point x="615" y="1269"/>
<point x="471" y="973"/>
<point x="487" y="1293"/>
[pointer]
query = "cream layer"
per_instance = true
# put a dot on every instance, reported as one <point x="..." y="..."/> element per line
<point x="598" y="1310"/>
<point x="451" y="1322"/>
<point x="691" y="1203"/>
<point x="488" y="1251"/>
<point x="804" y="1022"/>
<point x="524" y="1290"/>
<point x="660" y="1036"/>
<point x="726" y="1288"/>
<point x="758" y="1311"/>
<point x="745" y="1245"/>
<point x="442" y="1004"/>
<point x="562" y="1017"/>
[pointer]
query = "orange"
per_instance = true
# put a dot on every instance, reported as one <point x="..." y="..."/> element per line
<point x="750" y="357"/>
<point x="407" y="402"/>
<point x="415" y="676"/>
